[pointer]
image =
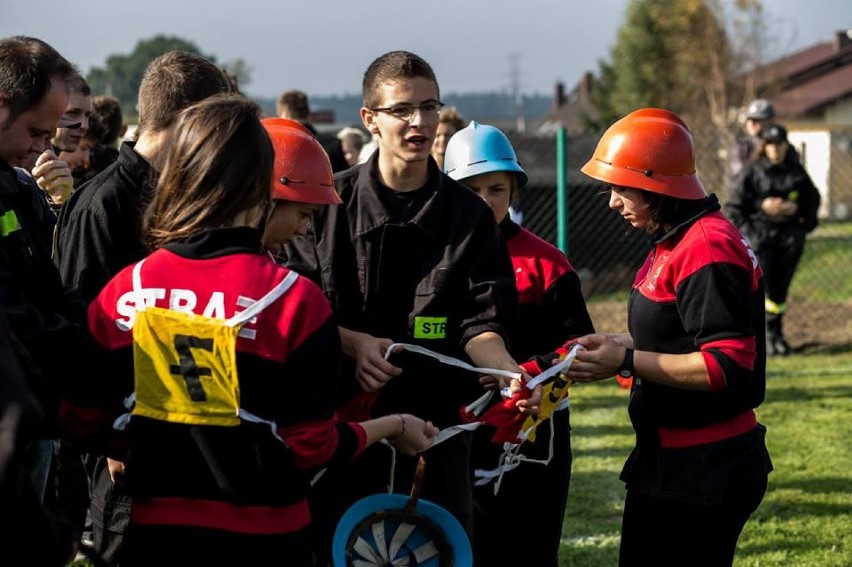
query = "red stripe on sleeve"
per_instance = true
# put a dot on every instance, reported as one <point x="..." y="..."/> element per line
<point x="714" y="373"/>
<point x="361" y="435"/>
<point x="742" y="350"/>
<point x="312" y="444"/>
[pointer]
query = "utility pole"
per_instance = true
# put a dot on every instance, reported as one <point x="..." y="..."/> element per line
<point x="517" y="95"/>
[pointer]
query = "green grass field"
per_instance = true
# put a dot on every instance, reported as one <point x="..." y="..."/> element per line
<point x="806" y="516"/>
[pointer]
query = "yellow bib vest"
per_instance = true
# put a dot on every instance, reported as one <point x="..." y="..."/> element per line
<point x="185" y="365"/>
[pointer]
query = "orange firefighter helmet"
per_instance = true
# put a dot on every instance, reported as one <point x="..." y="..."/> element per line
<point x="649" y="149"/>
<point x="302" y="170"/>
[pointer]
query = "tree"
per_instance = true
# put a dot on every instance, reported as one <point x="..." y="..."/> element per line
<point x="239" y="71"/>
<point x="690" y="57"/>
<point x="665" y="53"/>
<point x="122" y="74"/>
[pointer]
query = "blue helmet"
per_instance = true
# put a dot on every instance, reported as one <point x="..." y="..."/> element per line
<point x="478" y="149"/>
<point x="391" y="529"/>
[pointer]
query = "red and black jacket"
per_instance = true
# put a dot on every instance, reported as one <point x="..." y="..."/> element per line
<point x="700" y="290"/>
<point x="552" y="307"/>
<point x="241" y="478"/>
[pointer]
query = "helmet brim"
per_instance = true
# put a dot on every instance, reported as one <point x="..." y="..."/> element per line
<point x="677" y="186"/>
<point x="472" y="170"/>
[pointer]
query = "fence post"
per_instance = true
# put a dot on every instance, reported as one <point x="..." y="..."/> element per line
<point x="561" y="191"/>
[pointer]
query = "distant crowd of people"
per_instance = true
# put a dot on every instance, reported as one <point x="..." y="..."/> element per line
<point x="220" y="337"/>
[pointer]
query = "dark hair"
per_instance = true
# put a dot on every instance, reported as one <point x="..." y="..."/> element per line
<point x="107" y="110"/>
<point x="96" y="129"/>
<point x="392" y="66"/>
<point x="451" y="116"/>
<point x="78" y="85"/>
<point x="296" y="104"/>
<point x="218" y="163"/>
<point x="27" y="66"/>
<point x="665" y="211"/>
<point x="174" y="81"/>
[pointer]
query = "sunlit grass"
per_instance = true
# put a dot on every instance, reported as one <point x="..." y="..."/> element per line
<point x="806" y="516"/>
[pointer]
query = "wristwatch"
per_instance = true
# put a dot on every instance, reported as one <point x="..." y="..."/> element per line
<point x="626" y="368"/>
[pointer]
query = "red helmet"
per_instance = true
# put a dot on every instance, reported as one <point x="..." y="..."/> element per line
<point x="648" y="149"/>
<point x="302" y="170"/>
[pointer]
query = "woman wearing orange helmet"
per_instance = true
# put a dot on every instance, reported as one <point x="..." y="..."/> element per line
<point x="218" y="361"/>
<point x="302" y="181"/>
<point x="695" y="348"/>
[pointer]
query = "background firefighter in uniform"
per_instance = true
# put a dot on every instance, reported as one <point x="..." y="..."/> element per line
<point x="774" y="203"/>
<point x="695" y="347"/>
<point x="552" y="309"/>
<point x="208" y="487"/>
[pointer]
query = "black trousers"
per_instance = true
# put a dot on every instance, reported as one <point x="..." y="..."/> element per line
<point x="182" y="546"/>
<point x="661" y="532"/>
<point x="110" y="511"/>
<point x="779" y="257"/>
<point x="531" y="499"/>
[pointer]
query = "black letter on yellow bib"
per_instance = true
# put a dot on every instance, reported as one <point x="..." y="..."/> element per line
<point x="190" y="371"/>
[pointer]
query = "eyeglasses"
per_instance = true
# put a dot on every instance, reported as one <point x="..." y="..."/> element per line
<point x="406" y="111"/>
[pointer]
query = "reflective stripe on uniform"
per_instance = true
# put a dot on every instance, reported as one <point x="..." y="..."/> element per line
<point x="774" y="308"/>
<point x="9" y="223"/>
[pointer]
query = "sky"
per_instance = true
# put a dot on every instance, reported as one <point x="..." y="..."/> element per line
<point x="323" y="46"/>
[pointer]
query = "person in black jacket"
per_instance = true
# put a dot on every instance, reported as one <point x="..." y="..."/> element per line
<point x="41" y="323"/>
<point x="774" y="203"/>
<point x="410" y="256"/>
<point x="293" y="105"/>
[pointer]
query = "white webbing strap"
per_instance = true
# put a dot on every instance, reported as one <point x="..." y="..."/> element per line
<point x="251" y="312"/>
<point x="477" y="406"/>
<point x="449" y="360"/>
<point x="137" y="286"/>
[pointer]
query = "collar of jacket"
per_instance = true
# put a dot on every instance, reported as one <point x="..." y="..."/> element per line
<point x="8" y="170"/>
<point x="687" y="215"/>
<point x="136" y="165"/>
<point x="15" y="179"/>
<point x="217" y="242"/>
<point x="372" y="213"/>
<point x="509" y="228"/>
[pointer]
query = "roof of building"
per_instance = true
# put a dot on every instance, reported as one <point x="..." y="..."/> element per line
<point x="804" y="82"/>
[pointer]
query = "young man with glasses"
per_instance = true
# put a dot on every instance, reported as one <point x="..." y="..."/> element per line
<point x="411" y="256"/>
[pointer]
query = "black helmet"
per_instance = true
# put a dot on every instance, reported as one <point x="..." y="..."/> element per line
<point x="760" y="109"/>
<point x="774" y="134"/>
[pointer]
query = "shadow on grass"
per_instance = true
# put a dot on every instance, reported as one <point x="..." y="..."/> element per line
<point x="791" y="545"/>
<point x="827" y="485"/>
<point x="599" y="399"/>
<point x="784" y="525"/>
<point x="780" y="506"/>
<point x="604" y="452"/>
<point x="590" y="534"/>
<point x="776" y="392"/>
<point x="604" y="429"/>
<point x="816" y="347"/>
<point x="601" y="555"/>
<point x="595" y="503"/>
